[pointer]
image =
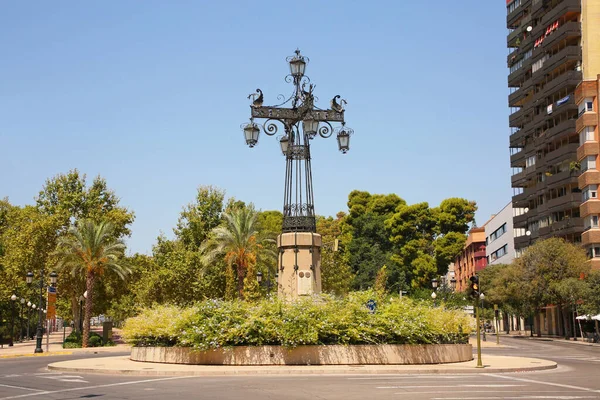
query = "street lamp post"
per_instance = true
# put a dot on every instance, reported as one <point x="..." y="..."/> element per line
<point x="433" y="296"/>
<point x="13" y="298"/>
<point x="481" y="298"/>
<point x="28" y="318"/>
<point x="477" y="319"/>
<point x="453" y="284"/>
<point x="39" y="332"/>
<point x="299" y="261"/>
<point x="21" y="327"/>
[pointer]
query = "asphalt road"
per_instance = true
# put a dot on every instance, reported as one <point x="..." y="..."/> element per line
<point x="577" y="377"/>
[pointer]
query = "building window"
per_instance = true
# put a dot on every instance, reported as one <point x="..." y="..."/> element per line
<point x="590" y="192"/>
<point x="586" y="106"/>
<point x="588" y="163"/>
<point x="586" y="135"/>
<point x="594" y="251"/>
<point x="591" y="222"/>
<point x="530" y="161"/>
<point x="499" y="253"/>
<point x="497" y="233"/>
<point x="512" y="6"/>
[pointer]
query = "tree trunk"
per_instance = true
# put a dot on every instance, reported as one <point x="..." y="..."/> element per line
<point x="566" y="329"/>
<point x="240" y="276"/>
<point x="76" y="313"/>
<point x="89" y="284"/>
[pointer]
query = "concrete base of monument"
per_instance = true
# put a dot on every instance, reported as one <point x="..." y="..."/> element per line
<point x="309" y="355"/>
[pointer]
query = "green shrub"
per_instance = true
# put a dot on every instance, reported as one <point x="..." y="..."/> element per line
<point x="312" y="321"/>
<point x="95" y="340"/>
<point x="73" y="341"/>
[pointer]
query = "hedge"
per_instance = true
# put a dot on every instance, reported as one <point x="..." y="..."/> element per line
<point x="321" y="320"/>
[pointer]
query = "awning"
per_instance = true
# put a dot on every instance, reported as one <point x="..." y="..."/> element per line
<point x="595" y="317"/>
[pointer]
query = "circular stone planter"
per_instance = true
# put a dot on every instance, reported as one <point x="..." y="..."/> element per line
<point x="308" y="355"/>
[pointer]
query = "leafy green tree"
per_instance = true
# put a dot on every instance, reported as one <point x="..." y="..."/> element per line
<point x="454" y="215"/>
<point x="336" y="275"/>
<point x="369" y="247"/>
<point x="90" y="250"/>
<point x="381" y="281"/>
<point x="548" y="272"/>
<point x="238" y="241"/>
<point x="69" y="199"/>
<point x="199" y="217"/>
<point x="28" y="238"/>
<point x="251" y="290"/>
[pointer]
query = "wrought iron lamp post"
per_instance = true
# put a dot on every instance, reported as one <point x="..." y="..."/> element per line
<point x="29" y="305"/>
<point x="13" y="298"/>
<point x="299" y="245"/>
<point x="21" y="326"/>
<point x="42" y="286"/>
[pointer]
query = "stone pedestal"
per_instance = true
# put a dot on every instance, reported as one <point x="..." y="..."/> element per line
<point x="299" y="264"/>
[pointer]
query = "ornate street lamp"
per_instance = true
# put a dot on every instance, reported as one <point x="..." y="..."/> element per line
<point x="42" y="285"/>
<point x="434" y="283"/>
<point x="299" y="245"/>
<point x="453" y="284"/>
<point x="259" y="277"/>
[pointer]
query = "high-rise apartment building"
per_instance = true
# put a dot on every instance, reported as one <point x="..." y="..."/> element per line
<point x="554" y="49"/>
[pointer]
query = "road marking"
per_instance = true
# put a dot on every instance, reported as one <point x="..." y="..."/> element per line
<point x="516" y="398"/>
<point x="544" y="383"/>
<point x="65" y="378"/>
<point x="94" y="387"/>
<point x="20" y="387"/>
<point x="11" y="376"/>
<point x="446" y="386"/>
<point x="409" y="376"/>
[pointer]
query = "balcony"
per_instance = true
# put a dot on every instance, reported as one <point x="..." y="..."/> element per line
<point x="520" y="221"/>
<point x="519" y="179"/>
<point x="569" y="53"/>
<point x="522" y="241"/>
<point x="568" y="150"/>
<point x="559" y="177"/>
<point x="561" y="129"/>
<point x="570" y="78"/>
<point x="518" y="159"/>
<point x="521" y="200"/>
<point x="568" y="30"/>
<point x="587" y="119"/>
<point x="591" y="206"/>
<point x="516" y="119"/>
<point x="589" y="177"/>
<point x="515" y="15"/>
<point x="590" y="236"/>
<point x="587" y="149"/>
<point x="561" y="9"/>
<point x="565" y="224"/>
<point x="565" y="202"/>
<point x="520" y="93"/>
<point x="538" y="7"/>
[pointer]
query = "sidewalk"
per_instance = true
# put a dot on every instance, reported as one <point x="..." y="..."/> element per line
<point x="27" y="348"/>
<point x="546" y="338"/>
<point x="122" y="365"/>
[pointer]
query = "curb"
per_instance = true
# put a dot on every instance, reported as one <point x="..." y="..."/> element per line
<point x="294" y="370"/>
<point x="51" y="353"/>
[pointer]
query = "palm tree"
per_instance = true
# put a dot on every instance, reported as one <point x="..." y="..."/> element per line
<point x="91" y="250"/>
<point x="239" y="240"/>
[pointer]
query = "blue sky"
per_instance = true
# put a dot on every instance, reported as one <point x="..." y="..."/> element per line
<point x="150" y="95"/>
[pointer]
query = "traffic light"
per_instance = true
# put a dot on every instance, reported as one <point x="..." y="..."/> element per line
<point x="474" y="286"/>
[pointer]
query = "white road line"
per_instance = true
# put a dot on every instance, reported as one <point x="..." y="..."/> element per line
<point x="516" y="398"/>
<point x="94" y="387"/>
<point x="544" y="383"/>
<point x="11" y="376"/>
<point x="20" y="387"/>
<point x="481" y="391"/>
<point x="430" y="376"/>
<point x="446" y="386"/>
